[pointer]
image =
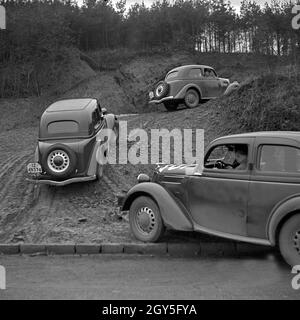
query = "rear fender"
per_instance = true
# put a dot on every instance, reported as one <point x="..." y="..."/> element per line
<point x="173" y="214"/>
<point x="182" y="92"/>
<point x="282" y="211"/>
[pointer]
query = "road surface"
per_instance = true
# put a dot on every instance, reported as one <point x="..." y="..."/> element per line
<point x="145" y="277"/>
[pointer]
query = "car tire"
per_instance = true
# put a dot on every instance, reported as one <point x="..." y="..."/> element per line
<point x="289" y="240"/>
<point x="171" y="105"/>
<point x="64" y="164"/>
<point x="145" y="220"/>
<point x="191" y="98"/>
<point x="161" y="90"/>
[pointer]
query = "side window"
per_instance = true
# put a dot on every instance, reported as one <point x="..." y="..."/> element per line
<point x="209" y="73"/>
<point x="195" y="74"/>
<point x="96" y="118"/>
<point x="278" y="158"/>
<point x="172" y="75"/>
<point x="227" y="156"/>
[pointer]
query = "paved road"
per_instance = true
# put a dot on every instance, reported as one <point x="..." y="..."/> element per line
<point x="145" y="277"/>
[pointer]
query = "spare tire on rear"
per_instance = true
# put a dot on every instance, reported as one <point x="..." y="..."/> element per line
<point x="59" y="161"/>
<point x="161" y="90"/>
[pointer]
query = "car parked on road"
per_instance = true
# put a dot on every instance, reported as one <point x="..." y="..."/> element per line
<point x="190" y="85"/>
<point x="70" y="146"/>
<point x="247" y="189"/>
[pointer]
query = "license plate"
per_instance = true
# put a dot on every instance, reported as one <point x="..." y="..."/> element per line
<point x="34" y="168"/>
<point x="151" y="95"/>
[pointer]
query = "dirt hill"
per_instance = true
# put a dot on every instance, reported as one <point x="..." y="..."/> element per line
<point x="87" y="212"/>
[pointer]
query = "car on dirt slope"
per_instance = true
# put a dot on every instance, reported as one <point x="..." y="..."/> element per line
<point x="190" y="85"/>
<point x="247" y="189"/>
<point x="72" y="144"/>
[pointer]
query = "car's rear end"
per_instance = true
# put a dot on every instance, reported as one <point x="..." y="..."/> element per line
<point x="61" y="160"/>
<point x="65" y="147"/>
<point x="165" y="89"/>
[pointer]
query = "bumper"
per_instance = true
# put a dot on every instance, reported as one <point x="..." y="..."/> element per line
<point x="61" y="183"/>
<point x="161" y="100"/>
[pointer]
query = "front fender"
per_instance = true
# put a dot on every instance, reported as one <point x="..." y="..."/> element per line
<point x="181" y="93"/>
<point x="283" y="210"/>
<point x="173" y="214"/>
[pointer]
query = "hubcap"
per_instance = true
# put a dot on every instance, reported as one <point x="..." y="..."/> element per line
<point x="191" y="99"/>
<point x="58" y="161"/>
<point x="159" y="90"/>
<point x="145" y="220"/>
<point x="297" y="241"/>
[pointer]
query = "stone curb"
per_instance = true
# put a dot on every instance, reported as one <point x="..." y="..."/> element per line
<point x="87" y="248"/>
<point x="57" y="248"/>
<point x="112" y="248"/>
<point x="184" y="249"/>
<point x="173" y="249"/>
<point x="147" y="248"/>
<point x="32" y="248"/>
<point x="9" y="248"/>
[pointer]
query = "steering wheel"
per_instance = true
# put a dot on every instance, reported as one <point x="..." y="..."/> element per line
<point x="219" y="164"/>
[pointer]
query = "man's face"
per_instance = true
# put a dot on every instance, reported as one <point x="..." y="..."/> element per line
<point x="230" y="155"/>
<point x="240" y="157"/>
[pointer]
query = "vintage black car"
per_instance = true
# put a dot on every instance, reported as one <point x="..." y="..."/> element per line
<point x="70" y="148"/>
<point x="248" y="189"/>
<point x="190" y="85"/>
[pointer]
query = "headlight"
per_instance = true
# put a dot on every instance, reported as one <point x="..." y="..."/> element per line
<point x="143" y="178"/>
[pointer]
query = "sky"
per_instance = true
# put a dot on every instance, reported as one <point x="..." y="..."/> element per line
<point x="234" y="3"/>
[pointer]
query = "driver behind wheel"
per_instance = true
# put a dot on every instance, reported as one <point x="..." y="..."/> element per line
<point x="230" y="161"/>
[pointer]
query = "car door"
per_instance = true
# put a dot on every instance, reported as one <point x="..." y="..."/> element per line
<point x="275" y="178"/>
<point x="218" y="198"/>
<point x="210" y="83"/>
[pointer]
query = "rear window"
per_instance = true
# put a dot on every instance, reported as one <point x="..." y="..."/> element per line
<point x="172" y="75"/>
<point x="63" y="127"/>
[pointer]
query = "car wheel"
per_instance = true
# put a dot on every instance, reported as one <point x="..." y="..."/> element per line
<point x="171" y="105"/>
<point x="191" y="98"/>
<point x="145" y="220"/>
<point x="161" y="90"/>
<point x="289" y="240"/>
<point x="59" y="161"/>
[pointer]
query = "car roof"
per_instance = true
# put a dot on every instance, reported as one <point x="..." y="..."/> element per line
<point x="265" y="134"/>
<point x="69" y="105"/>
<point x="79" y="110"/>
<point x="190" y="66"/>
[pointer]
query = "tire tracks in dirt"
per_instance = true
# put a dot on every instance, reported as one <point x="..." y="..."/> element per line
<point x="10" y="163"/>
<point x="45" y="209"/>
<point x="14" y="192"/>
<point x="12" y="170"/>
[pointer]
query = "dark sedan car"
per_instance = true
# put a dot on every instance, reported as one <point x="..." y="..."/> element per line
<point x="248" y="189"/>
<point x="189" y="84"/>
<point x="70" y="147"/>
